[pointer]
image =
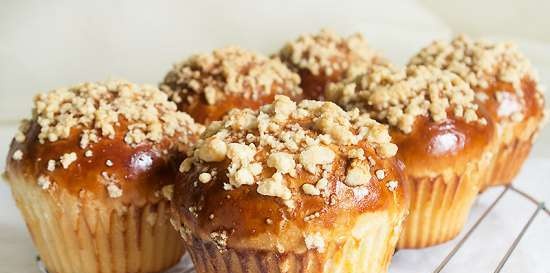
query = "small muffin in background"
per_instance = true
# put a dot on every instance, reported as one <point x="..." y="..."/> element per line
<point x="443" y="138"/>
<point x="325" y="57"/>
<point x="207" y="86"/>
<point x="88" y="172"/>
<point x="505" y="85"/>
<point x="291" y="188"/>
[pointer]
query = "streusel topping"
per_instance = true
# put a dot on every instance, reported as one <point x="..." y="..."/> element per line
<point x="229" y="71"/>
<point x="97" y="108"/>
<point x="103" y="110"/>
<point x="397" y="97"/>
<point x="477" y="62"/>
<point x="289" y="137"/>
<point x="327" y="52"/>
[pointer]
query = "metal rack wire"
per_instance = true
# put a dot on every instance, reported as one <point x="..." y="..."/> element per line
<point x="539" y="207"/>
<point x="185" y="265"/>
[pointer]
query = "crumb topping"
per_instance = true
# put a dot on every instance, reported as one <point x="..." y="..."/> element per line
<point x="398" y="97"/>
<point x="17" y="155"/>
<point x="97" y="108"/>
<point x="205" y="177"/>
<point x="283" y="162"/>
<point x="315" y="241"/>
<point x="24" y="126"/>
<point x="220" y="239"/>
<point x="286" y="137"/>
<point x="100" y="111"/>
<point x="67" y="159"/>
<point x="327" y="53"/>
<point x="311" y="189"/>
<point x="168" y="192"/>
<point x="114" y="190"/>
<point x="229" y="71"/>
<point x="44" y="182"/>
<point x="392" y="185"/>
<point x="380" y="174"/>
<point x="477" y="62"/>
<point x="51" y="165"/>
<point x="358" y="174"/>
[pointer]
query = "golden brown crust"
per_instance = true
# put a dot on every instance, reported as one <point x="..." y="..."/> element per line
<point x="314" y="85"/>
<point x="139" y="172"/>
<point x="502" y="77"/>
<point x="205" y="113"/>
<point x="207" y="86"/>
<point x="505" y="104"/>
<point x="506" y="90"/>
<point x="325" y="57"/>
<point x="309" y="198"/>
<point x="436" y="121"/>
<point x="244" y="212"/>
<point x="113" y="162"/>
<point x="434" y="148"/>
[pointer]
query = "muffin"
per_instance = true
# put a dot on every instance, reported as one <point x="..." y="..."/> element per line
<point x="443" y="138"/>
<point x="291" y="188"/>
<point x="506" y="86"/>
<point x="207" y="86"/>
<point x="325" y="57"/>
<point x="88" y="170"/>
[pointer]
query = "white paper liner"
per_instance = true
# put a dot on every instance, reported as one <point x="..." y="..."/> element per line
<point x="184" y="266"/>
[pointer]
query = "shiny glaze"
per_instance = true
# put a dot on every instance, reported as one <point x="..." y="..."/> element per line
<point x="433" y="147"/>
<point x="513" y="138"/>
<point x="243" y="212"/>
<point x="314" y="85"/>
<point x="529" y="105"/>
<point x="140" y="171"/>
<point x="204" y="113"/>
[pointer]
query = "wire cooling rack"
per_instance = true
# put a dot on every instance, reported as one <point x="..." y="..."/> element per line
<point x="540" y="206"/>
<point x="186" y="266"/>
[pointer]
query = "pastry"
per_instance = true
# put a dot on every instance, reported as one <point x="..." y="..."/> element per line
<point x="291" y="188"/>
<point x="88" y="172"/>
<point x="326" y="57"/>
<point x="207" y="86"/>
<point x="443" y="138"/>
<point x="505" y="85"/>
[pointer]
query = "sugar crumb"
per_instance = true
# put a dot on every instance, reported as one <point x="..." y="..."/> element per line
<point x="114" y="191"/>
<point x="17" y="155"/>
<point x="51" y="165"/>
<point x="67" y="159"/>
<point x="168" y="192"/>
<point x="205" y="177"/>
<point x="392" y="185"/>
<point x="44" y="182"/>
<point x="315" y="241"/>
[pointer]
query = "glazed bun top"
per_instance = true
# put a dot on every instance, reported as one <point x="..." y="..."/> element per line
<point x="434" y="117"/>
<point x="268" y="178"/>
<point x="326" y="57"/>
<point x="107" y="140"/>
<point x="207" y="86"/>
<point x="502" y="77"/>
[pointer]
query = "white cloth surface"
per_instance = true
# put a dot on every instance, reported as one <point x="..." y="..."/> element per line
<point x="48" y="44"/>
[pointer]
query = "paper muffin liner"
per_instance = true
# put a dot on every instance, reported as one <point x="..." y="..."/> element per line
<point x="510" y="151"/>
<point x="439" y="209"/>
<point x="71" y="236"/>
<point x="507" y="162"/>
<point x="369" y="251"/>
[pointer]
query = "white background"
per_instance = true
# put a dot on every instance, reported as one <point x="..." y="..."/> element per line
<point x="48" y="44"/>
